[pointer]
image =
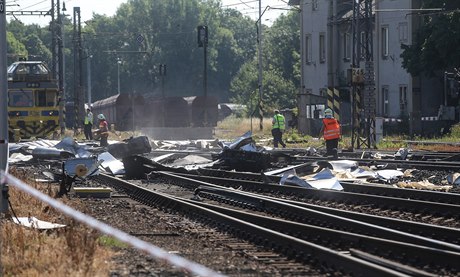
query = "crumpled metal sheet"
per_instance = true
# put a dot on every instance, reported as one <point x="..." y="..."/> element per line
<point x="239" y="142"/>
<point x="70" y="166"/>
<point x="19" y="157"/>
<point x="110" y="163"/>
<point x="389" y="174"/>
<point x="454" y="179"/>
<point x="69" y="144"/>
<point x="343" y="165"/>
<point x="325" y="179"/>
<point x="290" y="178"/>
<point x="190" y="160"/>
<point x="51" y="153"/>
<point x="244" y="143"/>
<point x="33" y="222"/>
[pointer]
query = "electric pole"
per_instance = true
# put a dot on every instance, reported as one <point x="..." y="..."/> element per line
<point x="362" y="79"/>
<point x="3" y="108"/>
<point x="203" y="42"/>
<point x="78" y="74"/>
<point x="260" y="76"/>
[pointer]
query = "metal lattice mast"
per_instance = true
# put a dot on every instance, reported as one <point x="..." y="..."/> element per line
<point x="77" y="80"/>
<point x="363" y="79"/>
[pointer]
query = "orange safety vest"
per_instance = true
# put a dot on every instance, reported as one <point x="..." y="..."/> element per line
<point x="331" y="128"/>
<point x="103" y="128"/>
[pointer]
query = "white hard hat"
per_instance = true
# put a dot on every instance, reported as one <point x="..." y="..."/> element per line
<point x="327" y="112"/>
<point x="101" y="116"/>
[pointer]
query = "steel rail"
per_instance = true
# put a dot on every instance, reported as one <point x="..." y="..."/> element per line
<point x="290" y="211"/>
<point x="394" y="203"/>
<point x="292" y="246"/>
<point x="434" y="165"/>
<point x="428" y="230"/>
<point x="365" y="187"/>
<point x="344" y="240"/>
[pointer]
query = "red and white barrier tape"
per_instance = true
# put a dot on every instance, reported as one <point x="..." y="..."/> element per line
<point x="154" y="251"/>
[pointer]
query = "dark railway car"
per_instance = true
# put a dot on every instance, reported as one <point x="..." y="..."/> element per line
<point x="176" y="112"/>
<point x="122" y="110"/>
<point x="32" y="100"/>
<point x="153" y="111"/>
<point x="203" y="111"/>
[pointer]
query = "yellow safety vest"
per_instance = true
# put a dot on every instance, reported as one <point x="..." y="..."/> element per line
<point x="279" y="122"/>
<point x="89" y="118"/>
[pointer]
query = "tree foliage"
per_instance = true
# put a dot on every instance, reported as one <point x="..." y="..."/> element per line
<point x="280" y="78"/>
<point x="436" y="44"/>
<point x="145" y="34"/>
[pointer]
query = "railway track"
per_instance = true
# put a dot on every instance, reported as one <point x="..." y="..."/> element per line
<point x="362" y="187"/>
<point x="298" y="240"/>
<point x="362" y="198"/>
<point x="440" y="164"/>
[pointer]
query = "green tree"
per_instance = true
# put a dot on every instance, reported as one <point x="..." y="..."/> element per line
<point x="15" y="48"/>
<point x="281" y="76"/>
<point x="435" y="47"/>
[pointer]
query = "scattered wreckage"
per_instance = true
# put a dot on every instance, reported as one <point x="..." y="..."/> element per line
<point x="140" y="158"/>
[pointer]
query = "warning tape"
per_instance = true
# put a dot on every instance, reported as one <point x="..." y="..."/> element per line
<point x="154" y="251"/>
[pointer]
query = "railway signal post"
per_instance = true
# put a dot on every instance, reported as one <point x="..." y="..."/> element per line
<point x="3" y="108"/>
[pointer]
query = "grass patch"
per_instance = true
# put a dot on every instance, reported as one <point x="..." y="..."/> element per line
<point x="233" y="127"/>
<point x="69" y="251"/>
<point x="109" y="241"/>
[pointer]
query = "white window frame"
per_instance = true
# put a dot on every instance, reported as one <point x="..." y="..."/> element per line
<point x="385" y="100"/>
<point x="403" y="30"/>
<point x="308" y="49"/>
<point x="346" y="46"/>
<point x="385" y="42"/>
<point x="403" y="98"/>
<point x="322" y="47"/>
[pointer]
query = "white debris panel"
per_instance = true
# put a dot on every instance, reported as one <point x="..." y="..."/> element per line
<point x="33" y="222"/>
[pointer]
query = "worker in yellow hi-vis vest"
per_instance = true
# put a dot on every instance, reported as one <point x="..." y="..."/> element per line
<point x="88" y="124"/>
<point x="278" y="126"/>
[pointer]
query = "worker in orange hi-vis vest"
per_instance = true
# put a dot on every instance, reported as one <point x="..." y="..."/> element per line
<point x="103" y="130"/>
<point x="332" y="132"/>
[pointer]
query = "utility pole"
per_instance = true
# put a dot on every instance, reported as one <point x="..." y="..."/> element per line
<point x="3" y="108"/>
<point x="61" y="63"/>
<point x="163" y="75"/>
<point x="118" y="73"/>
<point x="203" y="42"/>
<point x="260" y="78"/>
<point x="362" y="80"/>
<point x="88" y="76"/>
<point x="78" y="78"/>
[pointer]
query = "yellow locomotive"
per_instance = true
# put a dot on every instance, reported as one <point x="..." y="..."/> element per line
<point x="33" y="109"/>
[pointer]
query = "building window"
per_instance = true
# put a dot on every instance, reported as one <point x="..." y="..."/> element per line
<point x="322" y="47"/>
<point x="403" y="99"/>
<point x="385" y="101"/>
<point x="403" y="32"/>
<point x="346" y="46"/>
<point x="323" y="92"/>
<point x="314" y="5"/>
<point x="308" y="49"/>
<point x="385" y="50"/>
